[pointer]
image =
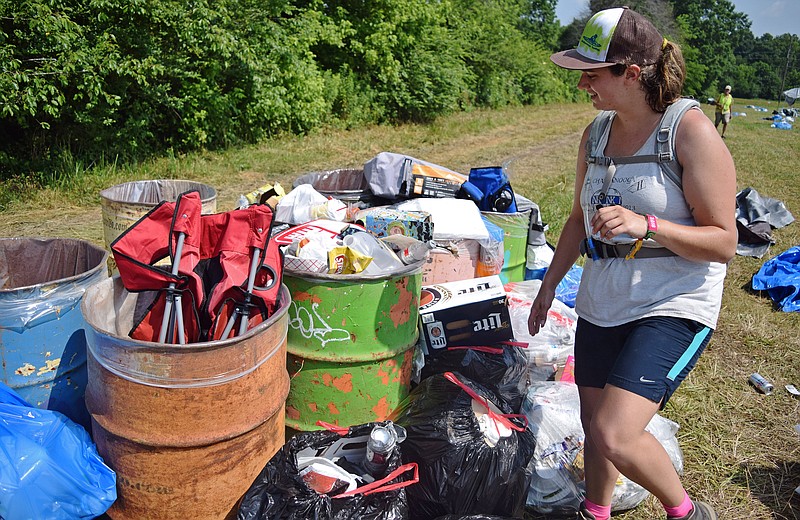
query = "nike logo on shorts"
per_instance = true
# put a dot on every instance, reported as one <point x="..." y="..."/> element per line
<point x="643" y="380"/>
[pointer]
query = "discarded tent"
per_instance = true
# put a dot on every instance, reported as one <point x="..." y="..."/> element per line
<point x="756" y="217"/>
<point x="791" y="95"/>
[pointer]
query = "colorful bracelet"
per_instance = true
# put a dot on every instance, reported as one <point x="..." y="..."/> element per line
<point x="652" y="226"/>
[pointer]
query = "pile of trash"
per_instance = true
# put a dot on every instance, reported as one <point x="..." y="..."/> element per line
<point x="488" y="402"/>
<point x="487" y="423"/>
<point x="783" y="119"/>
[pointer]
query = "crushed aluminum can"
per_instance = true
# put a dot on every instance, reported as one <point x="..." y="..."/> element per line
<point x="760" y="383"/>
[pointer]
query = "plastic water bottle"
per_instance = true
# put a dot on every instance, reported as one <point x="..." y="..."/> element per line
<point x="384" y="261"/>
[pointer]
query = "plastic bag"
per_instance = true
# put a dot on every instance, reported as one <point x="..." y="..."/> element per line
<point x="503" y="369"/>
<point x="471" y="460"/>
<point x="492" y="253"/>
<point x="281" y="493"/>
<point x="555" y="341"/>
<point x="780" y="277"/>
<point x="304" y="204"/>
<point x="49" y="467"/>
<point x="557" y="486"/>
<point x="567" y="288"/>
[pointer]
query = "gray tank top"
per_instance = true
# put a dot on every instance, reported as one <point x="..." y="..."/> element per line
<point x="614" y="291"/>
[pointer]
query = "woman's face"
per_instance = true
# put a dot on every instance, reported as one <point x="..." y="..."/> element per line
<point x="602" y="86"/>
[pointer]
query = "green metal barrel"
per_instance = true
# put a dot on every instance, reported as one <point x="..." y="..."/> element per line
<point x="350" y="346"/>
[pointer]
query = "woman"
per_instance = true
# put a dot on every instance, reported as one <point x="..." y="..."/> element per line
<point x="644" y="319"/>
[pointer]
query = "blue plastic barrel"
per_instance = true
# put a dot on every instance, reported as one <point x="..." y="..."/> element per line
<point x="42" y="339"/>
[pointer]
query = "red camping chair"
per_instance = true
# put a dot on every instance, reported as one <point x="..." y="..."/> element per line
<point x="171" y="229"/>
<point x="241" y="268"/>
<point x="225" y="263"/>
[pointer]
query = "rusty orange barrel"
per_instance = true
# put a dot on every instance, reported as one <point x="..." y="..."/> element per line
<point x="350" y="345"/>
<point x="186" y="428"/>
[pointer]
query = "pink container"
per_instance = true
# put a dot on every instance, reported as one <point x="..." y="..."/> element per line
<point x="450" y="266"/>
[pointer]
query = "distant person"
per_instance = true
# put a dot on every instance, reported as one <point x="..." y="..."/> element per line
<point x="657" y="244"/>
<point x="723" y="112"/>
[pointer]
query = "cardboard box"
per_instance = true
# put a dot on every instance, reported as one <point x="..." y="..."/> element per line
<point x="469" y="312"/>
<point x="382" y="222"/>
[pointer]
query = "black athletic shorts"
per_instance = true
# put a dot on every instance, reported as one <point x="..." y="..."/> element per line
<point x="649" y="357"/>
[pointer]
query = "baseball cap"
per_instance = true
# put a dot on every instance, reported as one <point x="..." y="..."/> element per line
<point x="727" y="87"/>
<point x="611" y="36"/>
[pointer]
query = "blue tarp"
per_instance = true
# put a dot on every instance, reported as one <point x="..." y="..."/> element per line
<point x="780" y="277"/>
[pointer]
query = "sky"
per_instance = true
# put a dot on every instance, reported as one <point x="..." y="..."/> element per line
<point x="773" y="16"/>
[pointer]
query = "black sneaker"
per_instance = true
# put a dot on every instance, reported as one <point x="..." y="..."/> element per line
<point x="700" y="511"/>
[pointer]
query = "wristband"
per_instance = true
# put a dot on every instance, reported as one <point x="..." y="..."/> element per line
<point x="652" y="226"/>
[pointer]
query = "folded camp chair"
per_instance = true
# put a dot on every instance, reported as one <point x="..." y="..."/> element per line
<point x="167" y="308"/>
<point x="225" y="276"/>
<point x="241" y="268"/>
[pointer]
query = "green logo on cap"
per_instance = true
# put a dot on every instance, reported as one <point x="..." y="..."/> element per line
<point x="591" y="42"/>
<point x="597" y="34"/>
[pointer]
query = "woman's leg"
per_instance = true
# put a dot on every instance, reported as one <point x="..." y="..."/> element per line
<point x="624" y="375"/>
<point x="600" y="473"/>
<point x="618" y="434"/>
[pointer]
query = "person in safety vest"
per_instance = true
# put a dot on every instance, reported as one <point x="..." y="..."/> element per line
<point x="723" y="111"/>
<point x="657" y="247"/>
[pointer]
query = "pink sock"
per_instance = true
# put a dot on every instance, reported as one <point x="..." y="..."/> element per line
<point x="599" y="512"/>
<point x="682" y="510"/>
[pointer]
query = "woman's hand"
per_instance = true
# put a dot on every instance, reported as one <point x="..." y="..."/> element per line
<point x="611" y="221"/>
<point x="541" y="305"/>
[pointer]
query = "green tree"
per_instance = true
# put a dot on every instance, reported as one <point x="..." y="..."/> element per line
<point x="768" y="80"/>
<point x="400" y="51"/>
<point x="715" y="29"/>
<point x="539" y="22"/>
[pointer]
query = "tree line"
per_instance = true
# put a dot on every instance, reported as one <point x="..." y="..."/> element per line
<point x="93" y="81"/>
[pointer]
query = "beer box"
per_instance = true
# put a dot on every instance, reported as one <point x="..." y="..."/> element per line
<point x="470" y="312"/>
<point x="382" y="222"/>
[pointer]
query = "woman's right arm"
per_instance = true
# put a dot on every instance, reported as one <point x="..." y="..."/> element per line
<point x="567" y="250"/>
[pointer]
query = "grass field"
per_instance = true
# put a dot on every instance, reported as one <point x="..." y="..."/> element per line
<point x="741" y="451"/>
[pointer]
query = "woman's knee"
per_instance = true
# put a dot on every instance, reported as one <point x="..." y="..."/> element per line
<point x="610" y="438"/>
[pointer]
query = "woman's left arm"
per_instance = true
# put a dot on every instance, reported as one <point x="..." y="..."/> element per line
<point x="709" y="186"/>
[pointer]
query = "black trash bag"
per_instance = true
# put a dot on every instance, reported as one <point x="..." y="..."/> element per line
<point x="461" y="471"/>
<point x="280" y="493"/>
<point x="474" y="517"/>
<point x="504" y="370"/>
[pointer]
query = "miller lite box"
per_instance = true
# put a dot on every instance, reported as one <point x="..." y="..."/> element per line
<point x="470" y="312"/>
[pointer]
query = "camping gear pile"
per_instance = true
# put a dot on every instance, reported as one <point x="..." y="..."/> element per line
<point x="409" y="286"/>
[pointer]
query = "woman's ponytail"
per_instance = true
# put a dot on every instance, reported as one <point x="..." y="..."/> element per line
<point x="663" y="81"/>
